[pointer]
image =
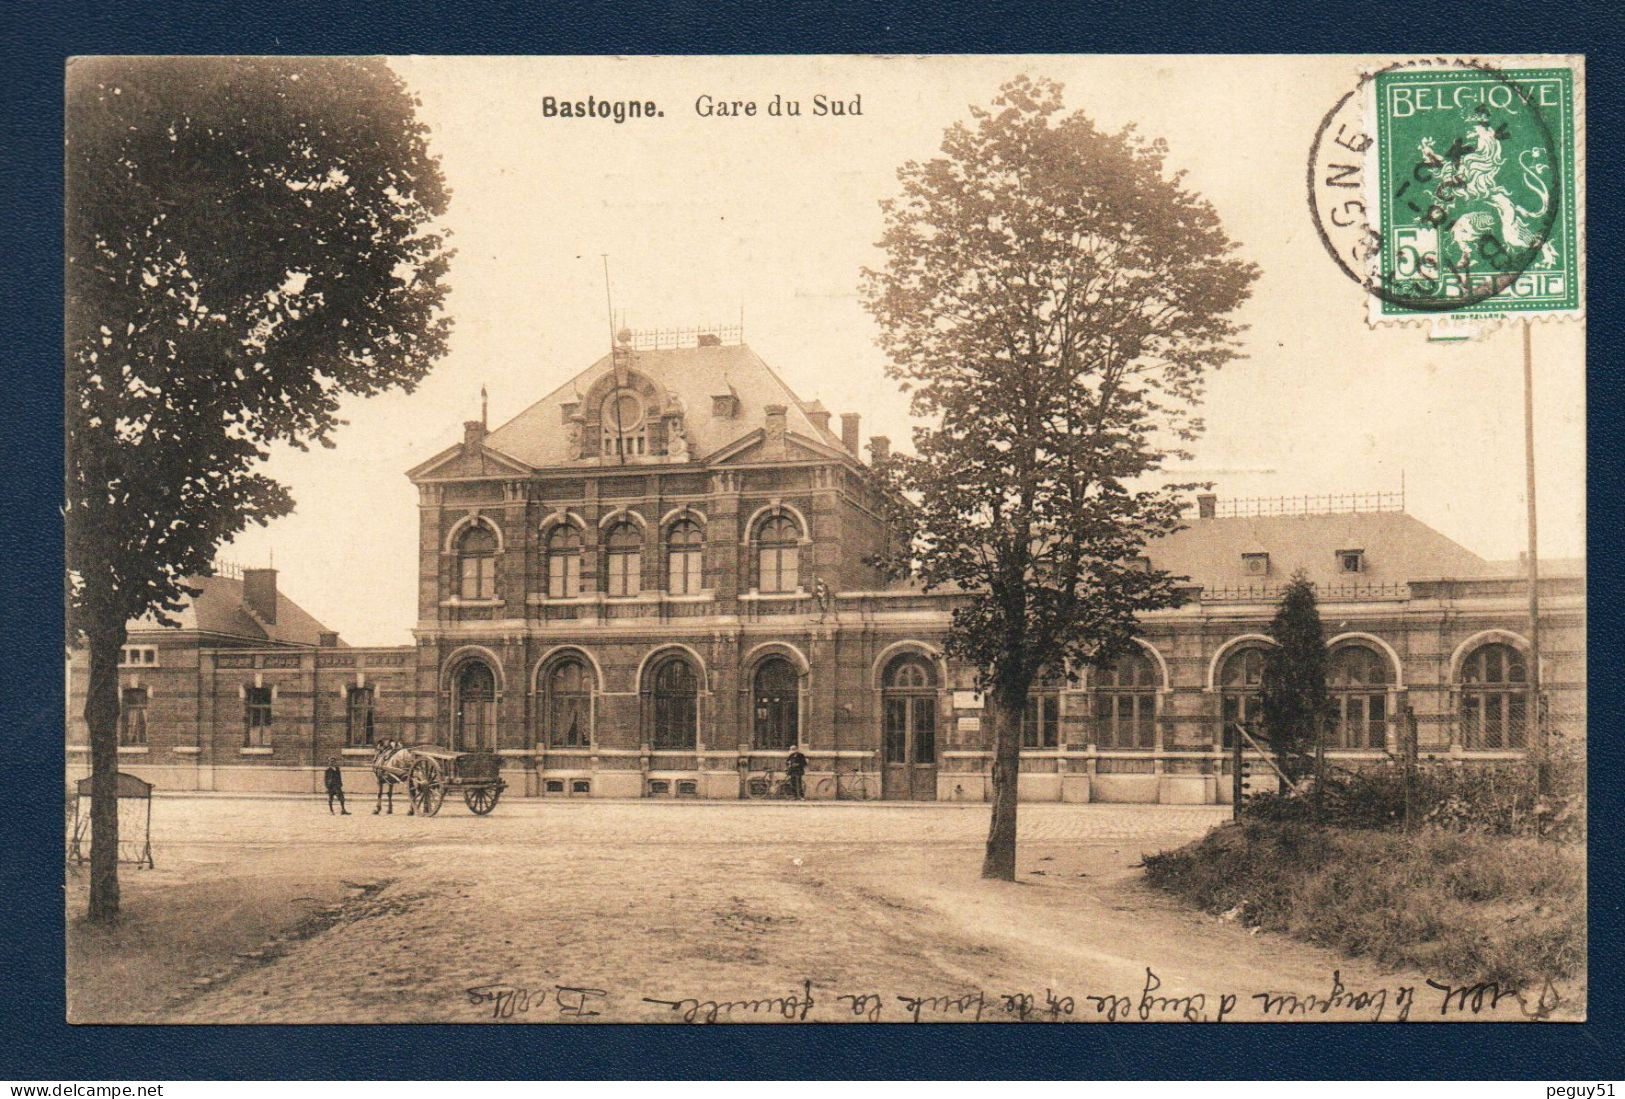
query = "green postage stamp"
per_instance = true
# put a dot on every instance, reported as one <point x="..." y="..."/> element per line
<point x="1475" y="170"/>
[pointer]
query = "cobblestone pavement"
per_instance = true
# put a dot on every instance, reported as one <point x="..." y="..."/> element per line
<point x="270" y="910"/>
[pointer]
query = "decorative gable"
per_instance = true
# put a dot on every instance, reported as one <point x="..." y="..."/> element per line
<point x="467" y="461"/>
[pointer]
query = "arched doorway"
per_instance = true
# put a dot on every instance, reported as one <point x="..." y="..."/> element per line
<point x="776" y="705"/>
<point x="474" y="709"/>
<point x="909" y="730"/>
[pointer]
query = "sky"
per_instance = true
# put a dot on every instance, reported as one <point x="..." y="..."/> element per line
<point x="707" y="220"/>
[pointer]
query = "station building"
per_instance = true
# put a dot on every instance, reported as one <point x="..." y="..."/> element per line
<point x="652" y="583"/>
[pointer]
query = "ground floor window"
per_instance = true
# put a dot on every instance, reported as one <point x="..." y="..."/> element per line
<point x="675" y="698"/>
<point x="1126" y="703"/>
<point x="1041" y="720"/>
<point x="1241" y="683"/>
<point x="358" y="717"/>
<point x="1494" y="684"/>
<point x="1126" y="719"/>
<point x="132" y="718"/>
<point x="567" y="707"/>
<point x="256" y="717"/>
<point x="1494" y="719"/>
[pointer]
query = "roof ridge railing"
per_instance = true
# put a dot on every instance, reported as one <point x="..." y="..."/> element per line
<point x="1328" y="593"/>
<point x="1254" y="507"/>
<point x="231" y="570"/>
<point x="663" y="339"/>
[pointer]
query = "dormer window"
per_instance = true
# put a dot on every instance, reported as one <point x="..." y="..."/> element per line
<point x="1255" y="564"/>
<point x="725" y="406"/>
<point x="1351" y="560"/>
<point x="1139" y="564"/>
<point x="624" y="428"/>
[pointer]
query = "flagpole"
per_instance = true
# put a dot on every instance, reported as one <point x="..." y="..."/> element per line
<point x="1536" y="717"/>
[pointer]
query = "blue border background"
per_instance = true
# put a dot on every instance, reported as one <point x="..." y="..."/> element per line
<point x="38" y="1045"/>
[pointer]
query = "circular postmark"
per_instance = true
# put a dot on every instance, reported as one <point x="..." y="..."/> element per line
<point x="1435" y="185"/>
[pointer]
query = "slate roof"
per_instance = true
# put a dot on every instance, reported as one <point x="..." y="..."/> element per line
<point x="219" y="609"/>
<point x="1397" y="547"/>
<point x="537" y="436"/>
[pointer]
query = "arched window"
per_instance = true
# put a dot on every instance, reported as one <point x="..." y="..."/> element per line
<point x="623" y="559"/>
<point x="567" y="706"/>
<point x="564" y="562"/>
<point x="777" y="550"/>
<point x="623" y="424"/>
<point x="1494" y="698"/>
<point x="676" y="704"/>
<point x="911" y="711"/>
<point x="474" y="709"/>
<point x="777" y="704"/>
<point x="1241" y="677"/>
<point x="685" y="558"/>
<point x="1359" y="679"/>
<point x="1126" y="702"/>
<point x="477" y="559"/>
<point x="1041" y="718"/>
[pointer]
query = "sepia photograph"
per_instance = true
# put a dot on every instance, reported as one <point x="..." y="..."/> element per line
<point x="825" y="539"/>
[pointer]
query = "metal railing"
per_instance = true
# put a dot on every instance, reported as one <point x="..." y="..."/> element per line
<point x="660" y="339"/>
<point x="1326" y="593"/>
<point x="1335" y="503"/>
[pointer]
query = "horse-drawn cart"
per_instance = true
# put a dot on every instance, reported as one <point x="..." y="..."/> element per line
<point x="436" y="770"/>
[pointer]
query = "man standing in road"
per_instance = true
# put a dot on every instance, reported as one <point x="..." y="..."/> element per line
<point x="335" y="785"/>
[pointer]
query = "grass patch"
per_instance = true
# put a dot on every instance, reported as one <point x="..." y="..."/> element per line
<point x="1470" y="907"/>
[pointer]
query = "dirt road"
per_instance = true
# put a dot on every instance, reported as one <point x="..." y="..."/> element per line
<point x="272" y="911"/>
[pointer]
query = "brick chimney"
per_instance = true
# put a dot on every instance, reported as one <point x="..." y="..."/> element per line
<point x="327" y="639"/>
<point x="879" y="449"/>
<point x="1207" y="505"/>
<point x="473" y="433"/>
<point x="259" y="593"/>
<point x="819" y="417"/>
<point x="849" y="432"/>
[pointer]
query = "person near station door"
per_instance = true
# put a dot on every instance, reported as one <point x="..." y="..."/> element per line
<point x="795" y="768"/>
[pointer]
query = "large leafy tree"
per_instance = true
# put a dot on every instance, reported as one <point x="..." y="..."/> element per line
<point x="1294" y="704"/>
<point x="248" y="241"/>
<point x="1053" y="298"/>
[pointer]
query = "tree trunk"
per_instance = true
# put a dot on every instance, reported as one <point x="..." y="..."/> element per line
<point x="101" y="714"/>
<point x="1004" y="708"/>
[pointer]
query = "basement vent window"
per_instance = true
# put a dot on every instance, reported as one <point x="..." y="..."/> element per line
<point x="581" y="786"/>
<point x="555" y="786"/>
<point x="1351" y="560"/>
<point x="1255" y="564"/>
<point x="659" y="787"/>
<point x="688" y="789"/>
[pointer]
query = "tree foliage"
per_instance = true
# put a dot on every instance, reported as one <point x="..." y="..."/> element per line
<point x="1053" y="299"/>
<point x="1294" y="703"/>
<point x="248" y="242"/>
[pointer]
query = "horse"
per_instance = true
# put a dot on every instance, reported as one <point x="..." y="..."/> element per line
<point x="391" y="763"/>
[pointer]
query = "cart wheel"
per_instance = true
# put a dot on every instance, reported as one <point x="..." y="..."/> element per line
<point x="426" y="786"/>
<point x="481" y="799"/>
